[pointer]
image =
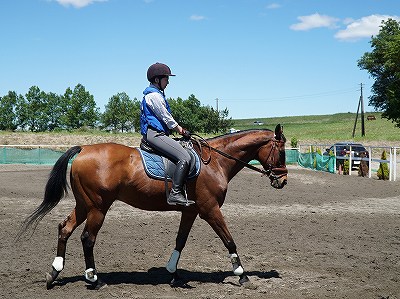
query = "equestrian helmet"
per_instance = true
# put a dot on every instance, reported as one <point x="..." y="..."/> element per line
<point x="158" y="70"/>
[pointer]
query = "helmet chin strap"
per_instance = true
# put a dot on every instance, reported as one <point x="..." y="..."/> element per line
<point x="158" y="85"/>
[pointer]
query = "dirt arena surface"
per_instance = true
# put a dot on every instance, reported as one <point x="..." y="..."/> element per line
<point x="322" y="236"/>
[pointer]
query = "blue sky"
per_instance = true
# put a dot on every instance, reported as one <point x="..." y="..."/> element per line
<point x="260" y="58"/>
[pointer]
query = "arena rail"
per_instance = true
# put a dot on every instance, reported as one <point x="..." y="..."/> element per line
<point x="373" y="153"/>
<point x="48" y="154"/>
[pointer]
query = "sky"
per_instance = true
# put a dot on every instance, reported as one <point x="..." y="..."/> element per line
<point x="257" y="58"/>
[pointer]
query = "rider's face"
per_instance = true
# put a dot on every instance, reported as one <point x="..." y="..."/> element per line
<point x="164" y="82"/>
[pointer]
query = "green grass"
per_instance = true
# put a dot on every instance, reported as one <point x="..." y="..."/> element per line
<point x="319" y="129"/>
<point x="327" y="128"/>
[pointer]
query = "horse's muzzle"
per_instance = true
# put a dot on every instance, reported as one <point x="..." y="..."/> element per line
<point x="278" y="183"/>
<point x="278" y="178"/>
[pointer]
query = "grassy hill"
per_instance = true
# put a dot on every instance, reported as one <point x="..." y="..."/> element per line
<point x="329" y="128"/>
<point x="312" y="129"/>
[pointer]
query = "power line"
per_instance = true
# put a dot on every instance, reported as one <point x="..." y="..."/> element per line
<point x="305" y="96"/>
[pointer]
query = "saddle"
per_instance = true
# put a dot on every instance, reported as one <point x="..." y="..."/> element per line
<point x="160" y="167"/>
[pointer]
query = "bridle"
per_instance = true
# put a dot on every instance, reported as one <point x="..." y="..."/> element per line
<point x="269" y="172"/>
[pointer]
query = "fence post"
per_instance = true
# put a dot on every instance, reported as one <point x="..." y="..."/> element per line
<point x="369" y="162"/>
<point x="394" y="164"/>
<point x="334" y="156"/>
<point x="390" y="164"/>
<point x="4" y="154"/>
<point x="350" y="161"/>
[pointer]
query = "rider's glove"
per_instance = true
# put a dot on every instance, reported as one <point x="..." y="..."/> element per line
<point x="186" y="134"/>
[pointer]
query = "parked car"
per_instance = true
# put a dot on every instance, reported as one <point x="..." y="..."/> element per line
<point x="343" y="149"/>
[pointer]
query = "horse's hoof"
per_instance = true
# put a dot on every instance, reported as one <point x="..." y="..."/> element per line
<point x="100" y="285"/>
<point x="49" y="281"/>
<point x="50" y="278"/>
<point x="246" y="283"/>
<point x="97" y="285"/>
<point x="178" y="282"/>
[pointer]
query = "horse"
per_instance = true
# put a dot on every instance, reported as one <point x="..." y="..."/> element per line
<point x="103" y="173"/>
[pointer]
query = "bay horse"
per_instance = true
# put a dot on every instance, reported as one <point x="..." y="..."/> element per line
<point x="103" y="173"/>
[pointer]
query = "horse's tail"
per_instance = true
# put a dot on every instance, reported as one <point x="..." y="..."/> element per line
<point x="55" y="190"/>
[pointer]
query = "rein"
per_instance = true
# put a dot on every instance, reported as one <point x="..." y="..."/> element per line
<point x="201" y="141"/>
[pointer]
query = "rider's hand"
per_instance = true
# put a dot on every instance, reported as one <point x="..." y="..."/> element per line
<point x="186" y="134"/>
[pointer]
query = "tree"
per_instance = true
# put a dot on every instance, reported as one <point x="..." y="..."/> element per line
<point x="136" y="114"/>
<point x="196" y="118"/>
<point x="31" y="110"/>
<point x="54" y="111"/>
<point x="119" y="114"/>
<point x="7" y="111"/>
<point x="81" y="110"/>
<point x="383" y="64"/>
<point x="182" y="114"/>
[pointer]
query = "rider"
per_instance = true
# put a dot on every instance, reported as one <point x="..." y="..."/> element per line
<point x="156" y="123"/>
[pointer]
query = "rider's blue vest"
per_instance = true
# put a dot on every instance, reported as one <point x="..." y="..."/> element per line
<point x="147" y="116"/>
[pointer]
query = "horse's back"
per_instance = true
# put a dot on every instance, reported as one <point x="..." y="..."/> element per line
<point x="108" y="172"/>
<point x="105" y="163"/>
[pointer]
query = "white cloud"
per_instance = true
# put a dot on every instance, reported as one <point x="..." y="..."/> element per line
<point x="78" y="3"/>
<point x="314" y="21"/>
<point x="364" y="27"/>
<point x="273" y="6"/>
<point x="197" y="18"/>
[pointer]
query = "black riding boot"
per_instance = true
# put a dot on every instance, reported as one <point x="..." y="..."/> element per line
<point x="176" y="196"/>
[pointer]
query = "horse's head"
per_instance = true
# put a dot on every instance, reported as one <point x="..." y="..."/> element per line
<point x="272" y="158"/>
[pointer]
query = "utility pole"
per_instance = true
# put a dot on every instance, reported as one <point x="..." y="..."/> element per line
<point x="360" y="103"/>
<point x="216" y="100"/>
<point x="362" y="112"/>
<point x="355" y="123"/>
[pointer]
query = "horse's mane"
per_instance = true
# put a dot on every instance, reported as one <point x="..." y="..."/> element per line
<point x="238" y="133"/>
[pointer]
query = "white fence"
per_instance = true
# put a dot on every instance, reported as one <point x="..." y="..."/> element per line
<point x="374" y="157"/>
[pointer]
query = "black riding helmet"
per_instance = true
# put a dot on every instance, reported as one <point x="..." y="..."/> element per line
<point x="158" y="70"/>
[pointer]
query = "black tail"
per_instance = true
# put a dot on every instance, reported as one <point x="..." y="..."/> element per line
<point x="55" y="189"/>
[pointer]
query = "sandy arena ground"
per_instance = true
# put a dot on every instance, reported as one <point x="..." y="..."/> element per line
<point x="322" y="236"/>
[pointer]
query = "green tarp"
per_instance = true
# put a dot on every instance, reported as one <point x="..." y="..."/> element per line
<point x="317" y="161"/>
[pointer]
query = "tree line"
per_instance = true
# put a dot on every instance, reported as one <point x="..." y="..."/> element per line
<point x="383" y="64"/>
<point x="40" y="111"/>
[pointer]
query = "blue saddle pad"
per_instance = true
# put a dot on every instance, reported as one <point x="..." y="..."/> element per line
<point x="156" y="165"/>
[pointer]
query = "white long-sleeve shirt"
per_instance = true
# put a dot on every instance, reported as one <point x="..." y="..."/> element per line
<point x="156" y="103"/>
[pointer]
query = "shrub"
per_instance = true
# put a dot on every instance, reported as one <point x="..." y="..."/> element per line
<point x="294" y="142"/>
<point x="346" y="167"/>
<point x="383" y="171"/>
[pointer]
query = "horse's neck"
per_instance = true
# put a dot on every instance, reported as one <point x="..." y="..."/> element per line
<point x="240" y="146"/>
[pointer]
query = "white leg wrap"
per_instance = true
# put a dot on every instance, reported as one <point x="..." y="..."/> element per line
<point x="58" y="263"/>
<point x="90" y="274"/>
<point x="173" y="261"/>
<point x="237" y="268"/>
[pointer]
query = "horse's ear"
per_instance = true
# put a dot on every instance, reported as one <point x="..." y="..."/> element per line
<point x="279" y="133"/>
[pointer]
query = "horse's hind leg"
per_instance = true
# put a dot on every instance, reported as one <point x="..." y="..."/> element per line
<point x="65" y="229"/>
<point x="95" y="219"/>
<point x="187" y="220"/>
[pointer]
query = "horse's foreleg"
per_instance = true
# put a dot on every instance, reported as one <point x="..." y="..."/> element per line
<point x="187" y="220"/>
<point x="65" y="229"/>
<point x="93" y="224"/>
<point x="216" y="220"/>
